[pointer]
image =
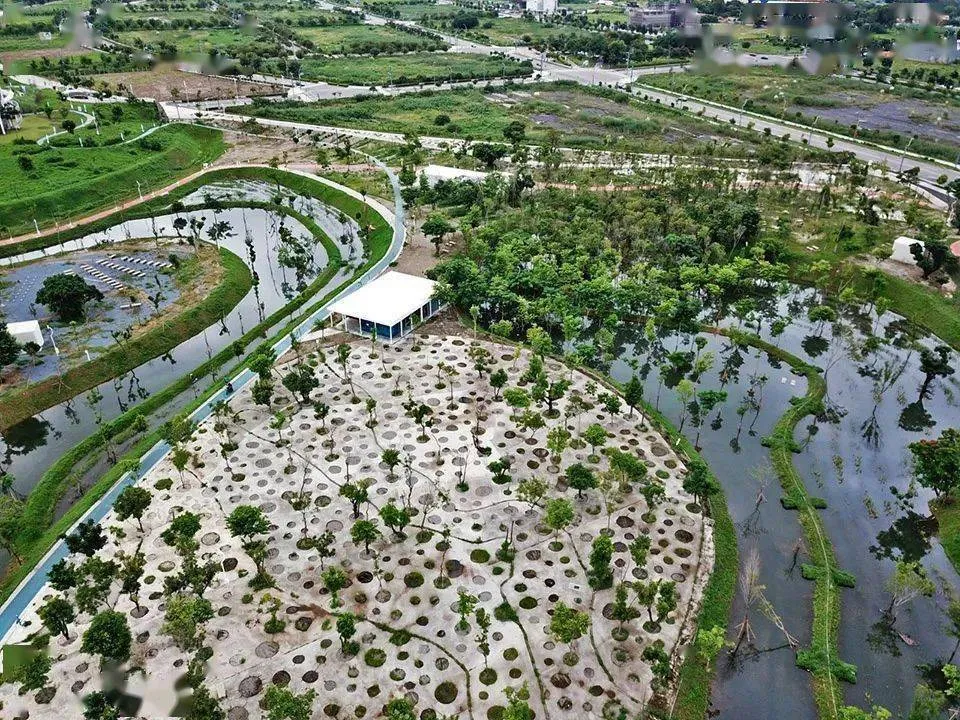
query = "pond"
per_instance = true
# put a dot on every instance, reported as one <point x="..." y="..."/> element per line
<point x="856" y="458"/>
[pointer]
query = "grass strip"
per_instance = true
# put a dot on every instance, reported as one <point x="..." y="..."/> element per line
<point x="821" y="659"/>
<point x="39" y="531"/>
<point x="947" y="513"/>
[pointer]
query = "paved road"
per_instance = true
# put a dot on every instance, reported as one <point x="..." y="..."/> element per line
<point x="19" y="602"/>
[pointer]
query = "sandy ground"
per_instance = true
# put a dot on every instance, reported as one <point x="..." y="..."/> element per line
<point x="245" y="148"/>
<point x="159" y="82"/>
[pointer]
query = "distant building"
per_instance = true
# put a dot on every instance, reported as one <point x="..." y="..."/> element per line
<point x="542" y="7"/>
<point x="662" y="16"/>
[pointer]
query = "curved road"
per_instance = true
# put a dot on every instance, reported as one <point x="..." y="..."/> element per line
<point x="31" y="585"/>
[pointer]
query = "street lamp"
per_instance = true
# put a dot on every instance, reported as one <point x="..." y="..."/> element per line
<point x="904" y="153"/>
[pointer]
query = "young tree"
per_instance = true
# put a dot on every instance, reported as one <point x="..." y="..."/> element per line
<point x="557" y="440"/>
<point x="182" y="528"/>
<point x="639" y="549"/>
<point x="498" y="379"/>
<point x="666" y="599"/>
<point x="56" y="614"/>
<point x="601" y="552"/>
<point x="647" y="595"/>
<point x="246" y="522"/>
<point x="301" y="381"/>
<point x="936" y="463"/>
<point x="347" y="628"/>
<point x="466" y="603"/>
<point x="568" y="625"/>
<point x="391" y="458"/>
<point x="558" y="514"/>
<point x="909" y="581"/>
<point x="435" y="227"/>
<point x="531" y="491"/>
<point x="699" y="483"/>
<point x="130" y="573"/>
<point x="87" y="539"/>
<point x="365" y="532"/>
<point x="595" y="436"/>
<point x="183" y="620"/>
<point x="623" y="612"/>
<point x="108" y="636"/>
<point x="132" y="502"/>
<point x="483" y="635"/>
<point x="357" y="494"/>
<point x="633" y="393"/>
<point x="581" y="478"/>
<point x="334" y="580"/>
<point x="67" y="295"/>
<point x="400" y="708"/>
<point x="517" y="706"/>
<point x="282" y="704"/>
<point x="394" y="518"/>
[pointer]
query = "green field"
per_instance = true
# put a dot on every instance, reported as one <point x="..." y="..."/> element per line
<point x="342" y="39"/>
<point x="410" y="68"/>
<point x="582" y="118"/>
<point x="68" y="182"/>
<point x="192" y="41"/>
<point x="844" y="105"/>
<point x="518" y="31"/>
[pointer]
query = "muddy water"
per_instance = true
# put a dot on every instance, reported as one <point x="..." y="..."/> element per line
<point x="856" y="458"/>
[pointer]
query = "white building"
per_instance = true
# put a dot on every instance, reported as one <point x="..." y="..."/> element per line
<point x="542" y="7"/>
<point x="26" y="331"/>
<point x="392" y="306"/>
<point x="436" y="173"/>
<point x="901" y="250"/>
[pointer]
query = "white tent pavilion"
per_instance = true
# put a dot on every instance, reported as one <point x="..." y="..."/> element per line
<point x="392" y="305"/>
<point x="26" y="331"/>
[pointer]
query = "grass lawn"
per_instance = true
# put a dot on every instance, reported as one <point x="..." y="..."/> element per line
<point x="584" y="118"/>
<point x="123" y="125"/>
<point x="33" y="127"/>
<point x="192" y="41"/>
<point x="68" y="182"/>
<point x="947" y="513"/>
<point x="513" y="31"/>
<point x="410" y="68"/>
<point x="17" y="43"/>
<point x="342" y="39"/>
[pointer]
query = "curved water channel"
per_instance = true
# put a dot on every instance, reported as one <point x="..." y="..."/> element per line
<point x="856" y="458"/>
<point x="34" y="581"/>
<point x="30" y="447"/>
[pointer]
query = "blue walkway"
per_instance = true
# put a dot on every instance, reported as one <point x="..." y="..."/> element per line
<point x="28" y="589"/>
